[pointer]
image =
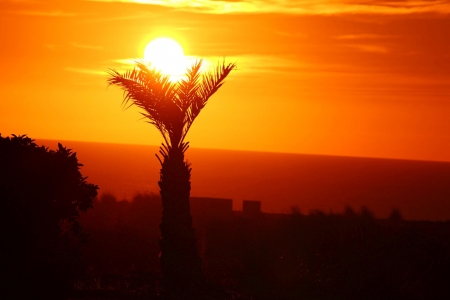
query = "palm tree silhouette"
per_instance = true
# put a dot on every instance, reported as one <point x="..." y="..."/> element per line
<point x="172" y="108"/>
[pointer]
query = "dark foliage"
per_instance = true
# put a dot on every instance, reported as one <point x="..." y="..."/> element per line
<point x="41" y="194"/>
<point x="316" y="256"/>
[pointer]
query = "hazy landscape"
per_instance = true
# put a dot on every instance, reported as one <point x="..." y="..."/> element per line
<point x="317" y="168"/>
<point x="316" y="256"/>
<point x="419" y="189"/>
<point x="325" y="236"/>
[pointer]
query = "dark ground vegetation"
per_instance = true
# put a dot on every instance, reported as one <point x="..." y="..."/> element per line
<point x="351" y="255"/>
<point x="42" y="193"/>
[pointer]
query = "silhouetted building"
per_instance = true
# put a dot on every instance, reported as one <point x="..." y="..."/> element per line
<point x="211" y="208"/>
<point x="251" y="207"/>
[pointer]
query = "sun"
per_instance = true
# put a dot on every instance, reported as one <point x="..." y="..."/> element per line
<point x="166" y="55"/>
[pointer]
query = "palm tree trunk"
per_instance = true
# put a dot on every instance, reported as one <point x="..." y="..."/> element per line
<point x="180" y="263"/>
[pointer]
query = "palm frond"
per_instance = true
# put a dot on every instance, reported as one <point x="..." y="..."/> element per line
<point x="187" y="88"/>
<point x="151" y="91"/>
<point x="204" y="88"/>
<point x="170" y="107"/>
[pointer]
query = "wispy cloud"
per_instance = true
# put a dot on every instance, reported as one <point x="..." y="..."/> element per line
<point x="364" y="36"/>
<point x="89" y="47"/>
<point x="51" y="46"/>
<point x="85" y="71"/>
<point x="302" y="6"/>
<point x="263" y="63"/>
<point x="369" y="48"/>
<point x="291" y="34"/>
<point x="246" y="64"/>
<point x="43" y="13"/>
<point x="365" y="42"/>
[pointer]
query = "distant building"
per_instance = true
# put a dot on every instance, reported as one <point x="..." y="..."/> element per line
<point x="211" y="208"/>
<point x="251" y="207"/>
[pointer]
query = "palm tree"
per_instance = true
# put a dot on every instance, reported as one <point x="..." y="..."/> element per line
<point x="172" y="108"/>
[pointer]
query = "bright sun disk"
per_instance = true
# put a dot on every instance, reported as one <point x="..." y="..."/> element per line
<point x="166" y="55"/>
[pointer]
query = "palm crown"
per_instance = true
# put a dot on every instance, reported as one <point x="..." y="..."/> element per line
<point x="170" y="106"/>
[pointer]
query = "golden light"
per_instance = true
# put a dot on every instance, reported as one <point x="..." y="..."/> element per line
<point x="166" y="55"/>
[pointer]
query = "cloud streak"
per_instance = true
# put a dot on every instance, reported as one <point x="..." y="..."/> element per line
<point x="370" y="48"/>
<point x="38" y="13"/>
<point x="305" y="7"/>
<point x="88" y="47"/>
<point x="246" y="64"/>
<point x="365" y="36"/>
<point x="86" y="71"/>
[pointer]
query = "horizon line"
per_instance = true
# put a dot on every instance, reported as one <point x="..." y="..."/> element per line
<point x="245" y="150"/>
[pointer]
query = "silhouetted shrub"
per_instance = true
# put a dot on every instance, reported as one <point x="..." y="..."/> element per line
<point x="351" y="255"/>
<point x="41" y="194"/>
<point x="366" y="213"/>
<point x="395" y="215"/>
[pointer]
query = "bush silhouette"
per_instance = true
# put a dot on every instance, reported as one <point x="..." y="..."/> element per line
<point x="347" y="255"/>
<point x="41" y="194"/>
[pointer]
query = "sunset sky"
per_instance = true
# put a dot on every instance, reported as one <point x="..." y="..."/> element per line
<point x="340" y="77"/>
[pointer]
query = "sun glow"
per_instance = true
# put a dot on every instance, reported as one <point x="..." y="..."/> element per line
<point x="166" y="55"/>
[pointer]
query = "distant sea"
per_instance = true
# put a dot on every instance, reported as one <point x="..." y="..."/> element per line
<point x="419" y="189"/>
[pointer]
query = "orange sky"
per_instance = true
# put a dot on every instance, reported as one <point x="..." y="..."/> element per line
<point x="340" y="77"/>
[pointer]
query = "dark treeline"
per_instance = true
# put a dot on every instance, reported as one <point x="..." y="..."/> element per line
<point x="351" y="255"/>
<point x="57" y="240"/>
<point x="42" y="193"/>
<point x="123" y="235"/>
